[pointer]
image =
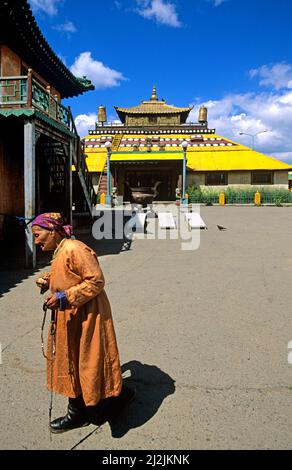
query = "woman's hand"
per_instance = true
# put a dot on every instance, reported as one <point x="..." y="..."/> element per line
<point x="43" y="284"/>
<point x="52" y="302"/>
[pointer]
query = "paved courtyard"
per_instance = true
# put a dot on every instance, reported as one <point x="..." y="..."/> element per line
<point x="203" y="335"/>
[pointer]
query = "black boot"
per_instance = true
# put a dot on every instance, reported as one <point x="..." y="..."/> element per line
<point x="109" y="407"/>
<point x="75" y="417"/>
<point x="127" y="394"/>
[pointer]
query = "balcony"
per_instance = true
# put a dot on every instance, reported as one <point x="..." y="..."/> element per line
<point x="25" y="92"/>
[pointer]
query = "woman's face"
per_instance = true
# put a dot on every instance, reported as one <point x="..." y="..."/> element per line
<point x="44" y="238"/>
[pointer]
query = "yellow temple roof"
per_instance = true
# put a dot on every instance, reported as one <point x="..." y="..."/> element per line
<point x="205" y="152"/>
<point x="241" y="159"/>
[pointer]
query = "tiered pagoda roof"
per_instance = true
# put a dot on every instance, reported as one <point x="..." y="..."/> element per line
<point x="153" y="107"/>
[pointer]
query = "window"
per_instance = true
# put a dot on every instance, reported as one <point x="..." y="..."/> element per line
<point x="152" y="120"/>
<point x="216" y="178"/>
<point x="262" y="177"/>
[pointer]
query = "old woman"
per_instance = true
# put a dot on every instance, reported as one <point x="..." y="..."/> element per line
<point x="86" y="366"/>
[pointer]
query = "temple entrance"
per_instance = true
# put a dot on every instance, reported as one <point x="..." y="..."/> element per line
<point x="156" y="180"/>
<point x="147" y="179"/>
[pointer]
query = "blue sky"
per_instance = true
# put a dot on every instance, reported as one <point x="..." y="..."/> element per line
<point x="232" y="55"/>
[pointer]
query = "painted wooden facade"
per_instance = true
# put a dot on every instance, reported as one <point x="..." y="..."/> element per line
<point x="38" y="139"/>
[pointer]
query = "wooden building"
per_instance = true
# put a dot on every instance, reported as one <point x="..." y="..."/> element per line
<point x="146" y="147"/>
<point x="38" y="139"/>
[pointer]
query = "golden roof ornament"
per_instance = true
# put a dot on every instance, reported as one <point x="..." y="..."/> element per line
<point x="154" y="94"/>
<point x="101" y="114"/>
<point x="203" y="114"/>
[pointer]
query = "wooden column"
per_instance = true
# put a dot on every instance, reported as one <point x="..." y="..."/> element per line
<point x="29" y="190"/>
<point x="69" y="183"/>
<point x="180" y="182"/>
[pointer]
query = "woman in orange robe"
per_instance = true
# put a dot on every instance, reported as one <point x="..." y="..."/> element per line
<point x="86" y="366"/>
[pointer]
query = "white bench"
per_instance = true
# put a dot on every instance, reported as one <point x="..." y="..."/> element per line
<point x="194" y="220"/>
<point x="166" y="220"/>
<point x="138" y="221"/>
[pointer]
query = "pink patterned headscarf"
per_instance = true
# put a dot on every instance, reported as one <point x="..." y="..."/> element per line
<point x="53" y="221"/>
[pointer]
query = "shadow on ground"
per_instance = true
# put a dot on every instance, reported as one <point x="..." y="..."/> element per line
<point x="12" y="259"/>
<point x="104" y="247"/>
<point x="12" y="271"/>
<point x="152" y="386"/>
<point x="10" y="279"/>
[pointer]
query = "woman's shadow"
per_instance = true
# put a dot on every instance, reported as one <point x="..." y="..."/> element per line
<point x="152" y="385"/>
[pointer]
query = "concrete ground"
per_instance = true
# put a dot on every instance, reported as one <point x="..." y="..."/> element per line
<point x="203" y="335"/>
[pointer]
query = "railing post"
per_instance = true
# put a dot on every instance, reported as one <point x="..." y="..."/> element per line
<point x="48" y="88"/>
<point x="79" y="151"/>
<point x="56" y="101"/>
<point x="222" y="199"/>
<point x="29" y="88"/>
<point x="71" y="119"/>
<point x="257" y="199"/>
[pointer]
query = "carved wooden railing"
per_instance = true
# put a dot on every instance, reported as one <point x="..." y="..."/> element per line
<point x="13" y="91"/>
<point x="26" y="92"/>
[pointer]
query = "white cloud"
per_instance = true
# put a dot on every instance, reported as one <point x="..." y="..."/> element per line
<point x="101" y="75"/>
<point x="160" y="11"/>
<point x="112" y="119"/>
<point x="67" y="27"/>
<point x="46" y="6"/>
<point x="85" y="122"/>
<point x="278" y="76"/>
<point x="216" y="3"/>
<point x="252" y="113"/>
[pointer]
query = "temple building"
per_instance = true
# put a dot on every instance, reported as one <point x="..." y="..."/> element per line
<point x="38" y="138"/>
<point x="146" y="150"/>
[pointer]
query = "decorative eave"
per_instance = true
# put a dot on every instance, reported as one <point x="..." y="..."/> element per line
<point x="33" y="113"/>
<point x="151" y="109"/>
<point x="20" y="32"/>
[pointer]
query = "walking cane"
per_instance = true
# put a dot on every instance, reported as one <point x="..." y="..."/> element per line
<point x="52" y="355"/>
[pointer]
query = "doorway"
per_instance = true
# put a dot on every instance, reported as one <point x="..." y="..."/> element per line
<point x="143" y="179"/>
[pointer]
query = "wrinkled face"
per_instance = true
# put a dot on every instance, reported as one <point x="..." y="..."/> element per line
<point x="45" y="239"/>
